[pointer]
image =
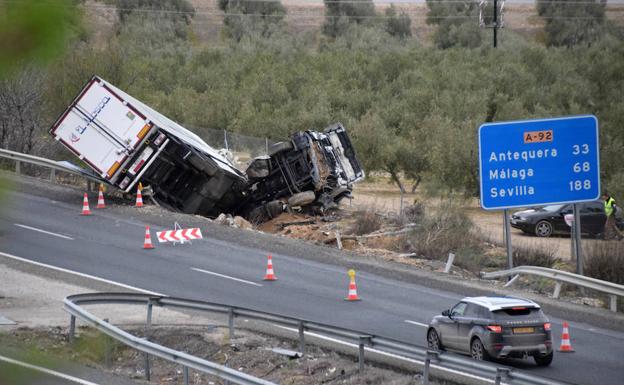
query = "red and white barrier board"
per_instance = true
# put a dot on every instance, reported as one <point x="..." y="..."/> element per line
<point x="181" y="235"/>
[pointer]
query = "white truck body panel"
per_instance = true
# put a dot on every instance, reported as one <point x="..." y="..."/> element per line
<point x="104" y="127"/>
<point x="100" y="128"/>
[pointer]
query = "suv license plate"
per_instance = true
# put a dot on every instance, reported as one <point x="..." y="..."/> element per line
<point x="523" y="330"/>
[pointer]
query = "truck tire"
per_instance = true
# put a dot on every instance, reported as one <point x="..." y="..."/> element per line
<point x="279" y="147"/>
<point x="266" y="212"/>
<point x="302" y="199"/>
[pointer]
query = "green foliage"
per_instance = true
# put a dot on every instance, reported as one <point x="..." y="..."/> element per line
<point x="339" y="14"/>
<point x="34" y="31"/>
<point x="182" y="9"/>
<point x="175" y="15"/>
<point x="457" y="23"/>
<point x="398" y="24"/>
<point x="251" y="17"/>
<point x="570" y="23"/>
<point x="412" y="111"/>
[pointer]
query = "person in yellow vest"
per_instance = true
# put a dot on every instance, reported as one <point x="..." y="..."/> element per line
<point x="610" y="229"/>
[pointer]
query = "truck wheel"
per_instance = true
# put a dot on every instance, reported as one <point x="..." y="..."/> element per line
<point x="302" y="199"/>
<point x="274" y="208"/>
<point x="279" y="147"/>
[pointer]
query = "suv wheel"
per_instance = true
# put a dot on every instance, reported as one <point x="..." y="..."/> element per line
<point x="543" y="360"/>
<point x="433" y="340"/>
<point x="543" y="229"/>
<point x="477" y="351"/>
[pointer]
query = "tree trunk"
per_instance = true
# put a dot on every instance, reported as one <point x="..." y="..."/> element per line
<point x="395" y="178"/>
<point x="417" y="181"/>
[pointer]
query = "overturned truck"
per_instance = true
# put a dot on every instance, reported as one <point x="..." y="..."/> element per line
<point x="126" y="142"/>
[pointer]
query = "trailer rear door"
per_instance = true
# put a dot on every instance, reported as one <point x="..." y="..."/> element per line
<point x="101" y="128"/>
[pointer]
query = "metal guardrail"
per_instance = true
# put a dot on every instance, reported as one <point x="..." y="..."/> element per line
<point x="612" y="289"/>
<point x="449" y="364"/>
<point x="54" y="166"/>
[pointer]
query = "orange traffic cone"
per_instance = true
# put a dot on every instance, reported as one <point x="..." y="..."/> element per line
<point x="352" y="296"/>
<point x="139" y="198"/>
<point x="148" y="239"/>
<point x="270" y="275"/>
<point x="85" y="205"/>
<point x="565" y="340"/>
<point x="100" y="203"/>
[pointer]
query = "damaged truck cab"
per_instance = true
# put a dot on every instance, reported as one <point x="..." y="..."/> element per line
<point x="314" y="170"/>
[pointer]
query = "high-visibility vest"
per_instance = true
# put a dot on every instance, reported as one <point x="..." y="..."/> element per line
<point x="609" y="206"/>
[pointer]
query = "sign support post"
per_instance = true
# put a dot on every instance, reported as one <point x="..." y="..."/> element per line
<point x="508" y="239"/>
<point x="577" y="240"/>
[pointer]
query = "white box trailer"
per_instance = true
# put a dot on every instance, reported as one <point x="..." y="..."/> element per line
<point x="125" y="141"/>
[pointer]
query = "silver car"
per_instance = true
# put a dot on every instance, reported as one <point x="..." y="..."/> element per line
<point x="493" y="327"/>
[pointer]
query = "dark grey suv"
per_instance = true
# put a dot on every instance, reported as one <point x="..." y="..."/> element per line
<point x="493" y="327"/>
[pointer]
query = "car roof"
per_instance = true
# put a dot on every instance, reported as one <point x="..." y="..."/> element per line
<point x="497" y="303"/>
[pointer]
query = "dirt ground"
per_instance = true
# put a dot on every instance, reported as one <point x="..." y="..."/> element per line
<point x="258" y="355"/>
<point x="386" y="198"/>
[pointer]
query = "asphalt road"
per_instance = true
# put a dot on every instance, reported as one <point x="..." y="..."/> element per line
<point x="109" y="243"/>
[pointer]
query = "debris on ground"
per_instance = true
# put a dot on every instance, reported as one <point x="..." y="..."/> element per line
<point x="270" y="358"/>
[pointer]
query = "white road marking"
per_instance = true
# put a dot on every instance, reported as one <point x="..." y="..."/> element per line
<point x="79" y="274"/>
<point x="43" y="231"/>
<point x="416" y="323"/>
<point x="386" y="354"/>
<point x="225" y="276"/>
<point x="47" y="371"/>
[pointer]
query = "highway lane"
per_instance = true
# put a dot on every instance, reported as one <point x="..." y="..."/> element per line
<point x="108" y="245"/>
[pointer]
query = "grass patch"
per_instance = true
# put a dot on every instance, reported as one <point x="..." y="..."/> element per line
<point x="366" y="222"/>
<point x="443" y="231"/>
<point x="534" y="255"/>
<point x="605" y="261"/>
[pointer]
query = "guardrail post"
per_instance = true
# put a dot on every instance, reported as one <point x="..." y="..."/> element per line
<point x="301" y="338"/>
<point x="17" y="167"/>
<point x="53" y="175"/>
<point x="557" y="290"/>
<point x="511" y="281"/>
<point x="231" y="322"/>
<point x="185" y="371"/>
<point x="148" y="323"/>
<point x="501" y="374"/>
<point x="449" y="263"/>
<point x="147" y="367"/>
<point x="430" y="355"/>
<point x="364" y="340"/>
<point x="613" y="302"/>
<point x="72" y="328"/>
<point x="107" y="349"/>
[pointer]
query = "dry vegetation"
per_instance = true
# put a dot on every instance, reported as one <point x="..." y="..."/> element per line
<point x="251" y="353"/>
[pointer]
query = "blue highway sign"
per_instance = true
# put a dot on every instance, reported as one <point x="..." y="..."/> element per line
<point x="539" y="162"/>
